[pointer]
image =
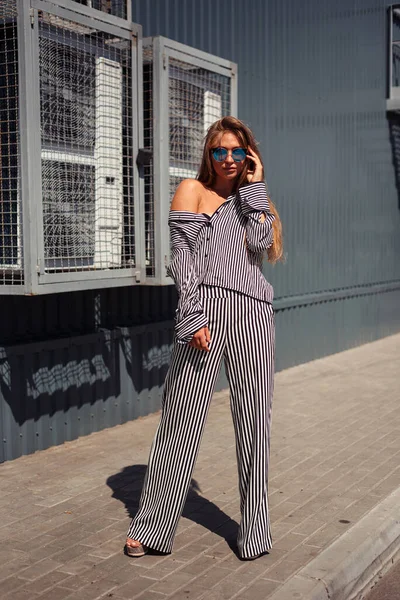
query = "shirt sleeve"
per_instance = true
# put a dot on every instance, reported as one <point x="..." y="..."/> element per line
<point x="254" y="202"/>
<point x="190" y="315"/>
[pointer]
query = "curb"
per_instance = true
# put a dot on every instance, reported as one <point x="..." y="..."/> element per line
<point x="347" y="568"/>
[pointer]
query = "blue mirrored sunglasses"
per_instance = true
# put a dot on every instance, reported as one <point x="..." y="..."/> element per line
<point x="221" y="154"/>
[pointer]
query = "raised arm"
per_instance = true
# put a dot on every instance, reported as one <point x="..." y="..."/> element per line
<point x="255" y="206"/>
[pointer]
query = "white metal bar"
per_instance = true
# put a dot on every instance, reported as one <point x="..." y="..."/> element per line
<point x="212" y="109"/>
<point x="108" y="160"/>
<point x="69" y="157"/>
<point x="87" y="275"/>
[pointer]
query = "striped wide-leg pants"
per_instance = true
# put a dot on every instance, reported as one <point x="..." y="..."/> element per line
<point x="242" y="333"/>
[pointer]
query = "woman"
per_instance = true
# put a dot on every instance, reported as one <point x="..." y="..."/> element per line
<point x="221" y="224"/>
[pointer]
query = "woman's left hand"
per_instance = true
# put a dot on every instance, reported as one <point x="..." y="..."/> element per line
<point x="257" y="174"/>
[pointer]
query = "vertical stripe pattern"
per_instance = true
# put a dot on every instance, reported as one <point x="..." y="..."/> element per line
<point x="242" y="334"/>
<point x="223" y="249"/>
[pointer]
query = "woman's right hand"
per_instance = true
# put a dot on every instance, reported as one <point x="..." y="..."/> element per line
<point x="201" y="339"/>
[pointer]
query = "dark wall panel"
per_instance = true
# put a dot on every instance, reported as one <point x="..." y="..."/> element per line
<point x="59" y="390"/>
<point x="325" y="328"/>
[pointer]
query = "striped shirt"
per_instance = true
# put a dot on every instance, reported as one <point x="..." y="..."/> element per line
<point x="224" y="249"/>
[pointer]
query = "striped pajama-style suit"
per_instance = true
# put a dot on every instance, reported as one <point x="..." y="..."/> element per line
<point x="216" y="264"/>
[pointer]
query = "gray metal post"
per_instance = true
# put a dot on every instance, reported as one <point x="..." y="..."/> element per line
<point x="161" y="157"/>
<point x="35" y="153"/>
<point x="27" y="145"/>
<point x="137" y="119"/>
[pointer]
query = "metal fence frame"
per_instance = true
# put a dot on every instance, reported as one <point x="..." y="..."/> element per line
<point x="164" y="49"/>
<point x="36" y="280"/>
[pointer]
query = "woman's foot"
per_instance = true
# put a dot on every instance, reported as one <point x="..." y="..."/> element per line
<point x="135" y="548"/>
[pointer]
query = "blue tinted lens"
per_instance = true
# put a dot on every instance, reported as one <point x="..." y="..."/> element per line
<point x="220" y="154"/>
<point x="238" y="154"/>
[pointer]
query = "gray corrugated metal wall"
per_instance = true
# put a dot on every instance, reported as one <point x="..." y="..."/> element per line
<point x="58" y="390"/>
<point x="312" y="84"/>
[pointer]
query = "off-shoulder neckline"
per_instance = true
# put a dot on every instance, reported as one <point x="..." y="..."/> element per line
<point x="203" y="214"/>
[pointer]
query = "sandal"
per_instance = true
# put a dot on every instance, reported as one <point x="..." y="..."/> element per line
<point x="136" y="551"/>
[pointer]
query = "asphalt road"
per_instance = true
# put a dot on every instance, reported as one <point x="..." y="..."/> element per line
<point x="388" y="588"/>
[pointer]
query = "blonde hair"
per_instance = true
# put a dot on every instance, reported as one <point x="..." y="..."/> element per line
<point x="207" y="174"/>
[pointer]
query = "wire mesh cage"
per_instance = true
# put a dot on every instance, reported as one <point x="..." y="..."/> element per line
<point x="86" y="137"/>
<point x="11" y="248"/>
<point x="94" y="208"/>
<point x="68" y="172"/>
<point x="185" y="91"/>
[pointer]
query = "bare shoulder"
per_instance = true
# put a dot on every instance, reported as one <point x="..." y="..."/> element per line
<point x="187" y="195"/>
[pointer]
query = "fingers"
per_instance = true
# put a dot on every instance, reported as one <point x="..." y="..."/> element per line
<point x="254" y="164"/>
<point x="257" y="174"/>
<point x="200" y="344"/>
<point x="253" y="156"/>
<point x="252" y="153"/>
<point x="201" y="340"/>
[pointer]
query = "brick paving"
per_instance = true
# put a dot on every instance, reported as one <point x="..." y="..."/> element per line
<point x="335" y="455"/>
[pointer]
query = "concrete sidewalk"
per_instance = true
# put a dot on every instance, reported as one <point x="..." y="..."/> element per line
<point x="335" y="457"/>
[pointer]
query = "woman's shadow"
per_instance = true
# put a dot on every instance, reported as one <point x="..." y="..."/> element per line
<point x="127" y="486"/>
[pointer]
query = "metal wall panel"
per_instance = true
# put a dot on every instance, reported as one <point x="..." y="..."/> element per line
<point x="69" y="138"/>
<point x="29" y="318"/>
<point x="325" y="328"/>
<point x="312" y="85"/>
<point x="59" y="390"/>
